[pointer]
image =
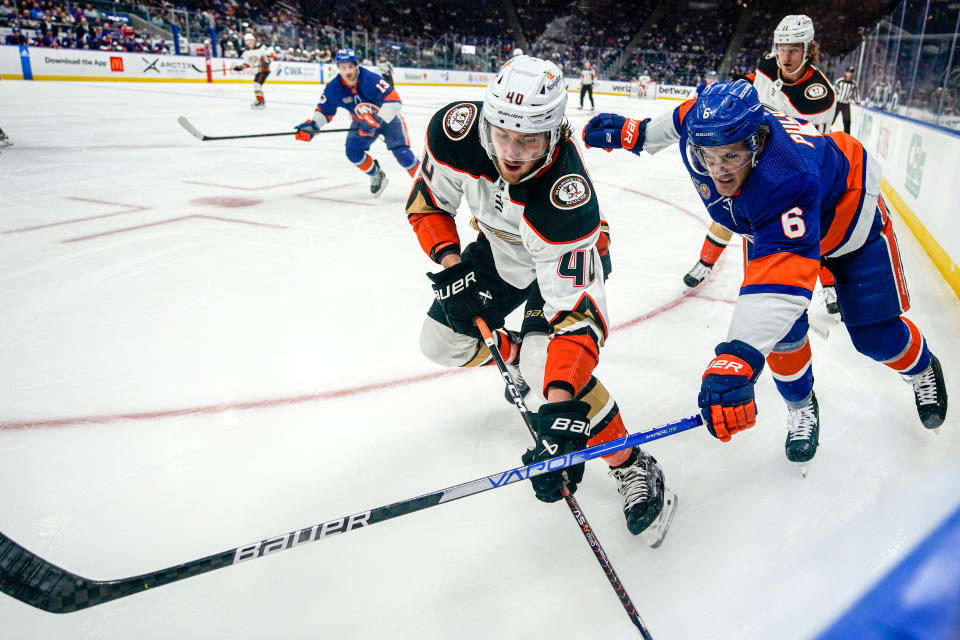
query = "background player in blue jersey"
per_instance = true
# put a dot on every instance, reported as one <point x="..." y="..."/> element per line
<point x="710" y="79"/>
<point x="804" y="199"/>
<point x="375" y="108"/>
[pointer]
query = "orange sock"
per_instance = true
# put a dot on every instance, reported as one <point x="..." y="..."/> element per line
<point x="613" y="431"/>
<point x="712" y="249"/>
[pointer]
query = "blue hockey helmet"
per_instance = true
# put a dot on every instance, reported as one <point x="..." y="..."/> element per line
<point x="346" y="55"/>
<point x="725" y="113"/>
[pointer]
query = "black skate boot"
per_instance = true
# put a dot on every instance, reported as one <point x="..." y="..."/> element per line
<point x="803" y="432"/>
<point x="378" y="182"/>
<point x="830" y="299"/>
<point x="514" y="368"/>
<point x="4" y="140"/>
<point x="930" y="393"/>
<point x="696" y="275"/>
<point x="648" y="505"/>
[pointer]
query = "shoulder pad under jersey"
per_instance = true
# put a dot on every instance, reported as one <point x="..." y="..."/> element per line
<point x="768" y="66"/>
<point x="560" y="203"/>
<point x="454" y="141"/>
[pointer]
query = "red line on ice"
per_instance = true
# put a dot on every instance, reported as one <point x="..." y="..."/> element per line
<point x="131" y="208"/>
<point x="218" y="408"/>
<point x="154" y="224"/>
<point x="241" y="188"/>
<point x="336" y="393"/>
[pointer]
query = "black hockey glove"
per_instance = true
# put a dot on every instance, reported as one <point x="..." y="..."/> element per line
<point x="562" y="428"/>
<point x="462" y="299"/>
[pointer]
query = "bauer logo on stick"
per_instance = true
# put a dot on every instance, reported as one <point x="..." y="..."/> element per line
<point x="570" y="191"/>
<point x="458" y="120"/>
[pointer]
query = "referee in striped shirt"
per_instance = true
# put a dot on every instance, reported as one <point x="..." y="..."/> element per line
<point x="847" y="91"/>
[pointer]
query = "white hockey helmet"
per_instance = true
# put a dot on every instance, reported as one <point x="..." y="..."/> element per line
<point x="517" y="52"/>
<point x="794" y="29"/>
<point x="528" y="95"/>
<point x="249" y="37"/>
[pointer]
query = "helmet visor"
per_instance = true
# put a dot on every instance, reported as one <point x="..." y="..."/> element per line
<point x="514" y="146"/>
<point x="717" y="162"/>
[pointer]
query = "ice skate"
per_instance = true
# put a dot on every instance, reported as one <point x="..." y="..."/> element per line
<point x="4" y="140"/>
<point x="696" y="275"/>
<point x="823" y="317"/>
<point x="514" y="368"/>
<point x="930" y="393"/>
<point x="803" y="433"/>
<point x="378" y="182"/>
<point x="830" y="299"/>
<point x="648" y="505"/>
<point x="259" y="104"/>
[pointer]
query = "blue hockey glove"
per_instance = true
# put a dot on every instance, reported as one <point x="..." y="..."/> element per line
<point x="610" y="131"/>
<point x="462" y="298"/>
<point x="306" y="130"/>
<point x="726" y="392"/>
<point x="561" y="428"/>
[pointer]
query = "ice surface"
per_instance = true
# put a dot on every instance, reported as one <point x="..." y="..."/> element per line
<point x="207" y="344"/>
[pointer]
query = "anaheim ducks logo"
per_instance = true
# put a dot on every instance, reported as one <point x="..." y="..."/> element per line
<point x="815" y="91"/>
<point x="570" y="191"/>
<point x="458" y="120"/>
<point x="702" y="188"/>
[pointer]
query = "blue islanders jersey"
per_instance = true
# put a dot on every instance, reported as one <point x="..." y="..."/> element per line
<point x="810" y="196"/>
<point x="371" y="93"/>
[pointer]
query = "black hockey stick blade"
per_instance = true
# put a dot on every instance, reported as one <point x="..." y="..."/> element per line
<point x="42" y="584"/>
<point x="192" y="130"/>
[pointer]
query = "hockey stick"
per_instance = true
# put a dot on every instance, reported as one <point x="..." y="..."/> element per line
<point x="192" y="130"/>
<point x="31" y="579"/>
<point x="575" y="509"/>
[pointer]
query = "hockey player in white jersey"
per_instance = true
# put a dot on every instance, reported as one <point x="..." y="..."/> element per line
<point x="540" y="244"/>
<point x="257" y="56"/>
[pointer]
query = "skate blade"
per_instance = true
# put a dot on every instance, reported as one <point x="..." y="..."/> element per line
<point x="383" y="187"/>
<point x="804" y="467"/>
<point x="657" y="531"/>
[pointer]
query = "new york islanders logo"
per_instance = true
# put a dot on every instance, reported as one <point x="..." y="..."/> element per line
<point x="458" y="120"/>
<point x="365" y="108"/>
<point x="702" y="188"/>
<point x="570" y="191"/>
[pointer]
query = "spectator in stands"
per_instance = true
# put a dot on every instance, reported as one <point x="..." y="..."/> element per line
<point x="15" y="37"/>
<point x="8" y="13"/>
<point x="36" y="13"/>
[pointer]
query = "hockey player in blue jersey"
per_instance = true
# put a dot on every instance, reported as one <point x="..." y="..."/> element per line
<point x="710" y="79"/>
<point x="803" y="199"/>
<point x="374" y="107"/>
